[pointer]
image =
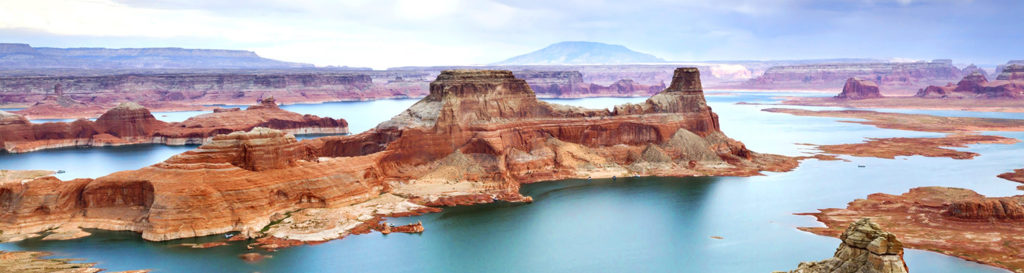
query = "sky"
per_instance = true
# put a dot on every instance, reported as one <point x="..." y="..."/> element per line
<point x="389" y="33"/>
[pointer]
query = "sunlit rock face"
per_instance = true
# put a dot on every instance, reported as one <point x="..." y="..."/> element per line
<point x="865" y="248"/>
<point x="856" y="89"/>
<point x="475" y="138"/>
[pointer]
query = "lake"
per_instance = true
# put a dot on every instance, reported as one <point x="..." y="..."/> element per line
<point x="645" y="224"/>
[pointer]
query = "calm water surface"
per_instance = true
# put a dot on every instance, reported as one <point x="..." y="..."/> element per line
<point x="628" y="225"/>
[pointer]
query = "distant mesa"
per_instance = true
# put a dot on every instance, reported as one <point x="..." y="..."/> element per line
<point x="856" y="89"/>
<point x="582" y="53"/>
<point x="24" y="56"/>
<point x="1009" y="83"/>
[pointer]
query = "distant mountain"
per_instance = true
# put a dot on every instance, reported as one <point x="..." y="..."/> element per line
<point x="23" y="56"/>
<point x="582" y="53"/>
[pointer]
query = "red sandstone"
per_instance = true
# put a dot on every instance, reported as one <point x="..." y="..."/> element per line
<point x="474" y="139"/>
<point x="131" y="123"/>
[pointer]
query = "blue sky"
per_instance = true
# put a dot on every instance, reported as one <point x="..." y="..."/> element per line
<point x="386" y="33"/>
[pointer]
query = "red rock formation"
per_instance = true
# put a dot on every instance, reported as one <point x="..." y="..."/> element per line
<point x="570" y="84"/>
<point x="130" y="123"/>
<point x="897" y="78"/>
<point x="952" y="221"/>
<point x="976" y="85"/>
<point x="475" y="138"/>
<point x="865" y="248"/>
<point x="1011" y="72"/>
<point x="1016" y="175"/>
<point x="856" y="89"/>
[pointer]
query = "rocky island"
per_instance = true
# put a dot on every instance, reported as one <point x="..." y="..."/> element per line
<point x="951" y="221"/>
<point x="130" y="123"/>
<point x="474" y="139"/>
<point x="974" y="92"/>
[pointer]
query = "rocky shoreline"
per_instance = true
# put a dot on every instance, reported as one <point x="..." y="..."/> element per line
<point x="952" y="221"/>
<point x="474" y="139"/>
<point x="130" y="124"/>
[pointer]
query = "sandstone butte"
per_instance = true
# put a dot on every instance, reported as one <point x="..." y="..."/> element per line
<point x="1009" y="84"/>
<point x="130" y="123"/>
<point x="865" y="248"/>
<point x="856" y="89"/>
<point x="972" y="93"/>
<point x="951" y="221"/>
<point x="474" y="139"/>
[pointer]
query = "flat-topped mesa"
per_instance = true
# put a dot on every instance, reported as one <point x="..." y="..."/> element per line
<point x="865" y="248"/>
<point x="987" y="209"/>
<point x="976" y="85"/>
<point x="257" y="150"/>
<point x="856" y="89"/>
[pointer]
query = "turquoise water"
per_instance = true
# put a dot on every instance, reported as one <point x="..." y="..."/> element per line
<point x="628" y="225"/>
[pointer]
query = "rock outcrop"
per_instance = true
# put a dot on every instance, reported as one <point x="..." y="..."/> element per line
<point x="570" y="84"/>
<point x="865" y="248"/>
<point x="474" y="139"/>
<point x="968" y="225"/>
<point x="1012" y="72"/>
<point x="976" y="85"/>
<point x="130" y="123"/>
<point x="896" y="78"/>
<point x="856" y="89"/>
<point x="1016" y="175"/>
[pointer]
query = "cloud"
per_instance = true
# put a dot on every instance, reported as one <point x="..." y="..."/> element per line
<point x="381" y="33"/>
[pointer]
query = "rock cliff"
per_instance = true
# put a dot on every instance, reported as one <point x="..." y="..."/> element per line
<point x="130" y="123"/>
<point x="1012" y="72"/>
<point x="856" y="89"/>
<point x="474" y="139"/>
<point x="865" y="248"/>
<point x="570" y="84"/>
<point x="970" y="225"/>
<point x="976" y="85"/>
<point x="896" y="78"/>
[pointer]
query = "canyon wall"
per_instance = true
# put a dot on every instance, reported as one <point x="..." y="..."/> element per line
<point x="1009" y="84"/>
<point x="892" y="78"/>
<point x="474" y="139"/>
<point x="130" y="123"/>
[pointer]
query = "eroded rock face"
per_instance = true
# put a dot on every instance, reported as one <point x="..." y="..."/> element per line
<point x="130" y="123"/>
<point x="893" y="77"/>
<point x="856" y="89"/>
<point x="865" y="248"/>
<point x="474" y="139"/>
<point x="129" y="119"/>
<point x="975" y="85"/>
<point x="1011" y="72"/>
